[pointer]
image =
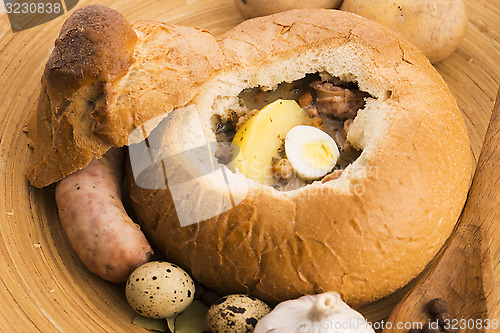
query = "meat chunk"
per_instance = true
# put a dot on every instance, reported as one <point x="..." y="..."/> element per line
<point x="336" y="101"/>
<point x="332" y="176"/>
<point x="305" y="100"/>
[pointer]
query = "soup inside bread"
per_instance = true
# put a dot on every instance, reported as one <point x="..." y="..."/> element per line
<point x="325" y="102"/>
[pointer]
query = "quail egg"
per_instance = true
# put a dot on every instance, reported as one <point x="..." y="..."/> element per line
<point x="312" y="152"/>
<point x="235" y="313"/>
<point x="159" y="289"/>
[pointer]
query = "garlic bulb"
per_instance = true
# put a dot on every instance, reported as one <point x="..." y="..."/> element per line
<point x="323" y="313"/>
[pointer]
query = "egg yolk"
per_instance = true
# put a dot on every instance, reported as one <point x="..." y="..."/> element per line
<point x="318" y="153"/>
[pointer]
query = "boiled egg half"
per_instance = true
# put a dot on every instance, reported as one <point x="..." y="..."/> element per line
<point x="312" y="152"/>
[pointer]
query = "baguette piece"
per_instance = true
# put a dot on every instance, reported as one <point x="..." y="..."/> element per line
<point x="104" y="78"/>
<point x="364" y="234"/>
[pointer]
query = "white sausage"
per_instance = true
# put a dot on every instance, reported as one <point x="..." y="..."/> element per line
<point x="99" y="229"/>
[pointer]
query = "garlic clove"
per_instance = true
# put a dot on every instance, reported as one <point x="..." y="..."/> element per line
<point x="323" y="313"/>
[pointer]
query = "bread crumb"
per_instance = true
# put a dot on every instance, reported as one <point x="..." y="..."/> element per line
<point x="37" y="245"/>
<point x="11" y="213"/>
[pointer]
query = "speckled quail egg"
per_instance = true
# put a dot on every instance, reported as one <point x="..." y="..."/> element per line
<point x="159" y="289"/>
<point x="235" y="313"/>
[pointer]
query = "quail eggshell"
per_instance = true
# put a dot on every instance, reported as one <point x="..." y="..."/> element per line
<point x="235" y="313"/>
<point x="159" y="290"/>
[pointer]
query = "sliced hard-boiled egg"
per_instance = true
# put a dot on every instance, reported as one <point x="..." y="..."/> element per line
<point x="312" y="152"/>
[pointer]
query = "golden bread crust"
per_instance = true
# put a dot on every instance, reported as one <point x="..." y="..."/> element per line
<point x="94" y="48"/>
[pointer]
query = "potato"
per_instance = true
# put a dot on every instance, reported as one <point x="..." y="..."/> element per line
<point x="254" y="8"/>
<point x="435" y="26"/>
<point x="260" y="137"/>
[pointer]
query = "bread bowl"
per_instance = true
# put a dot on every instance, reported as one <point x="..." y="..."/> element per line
<point x="364" y="234"/>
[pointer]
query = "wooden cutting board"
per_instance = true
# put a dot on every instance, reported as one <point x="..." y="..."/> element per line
<point x="43" y="285"/>
<point x="467" y="272"/>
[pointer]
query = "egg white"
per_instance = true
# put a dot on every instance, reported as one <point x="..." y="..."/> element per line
<point x="303" y="137"/>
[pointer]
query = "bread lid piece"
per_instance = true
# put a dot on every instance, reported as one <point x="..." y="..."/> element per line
<point x="104" y="78"/>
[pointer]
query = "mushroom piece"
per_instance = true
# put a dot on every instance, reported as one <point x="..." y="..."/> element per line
<point x="314" y="313"/>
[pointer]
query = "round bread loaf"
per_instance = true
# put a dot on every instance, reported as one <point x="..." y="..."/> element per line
<point x="364" y="234"/>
